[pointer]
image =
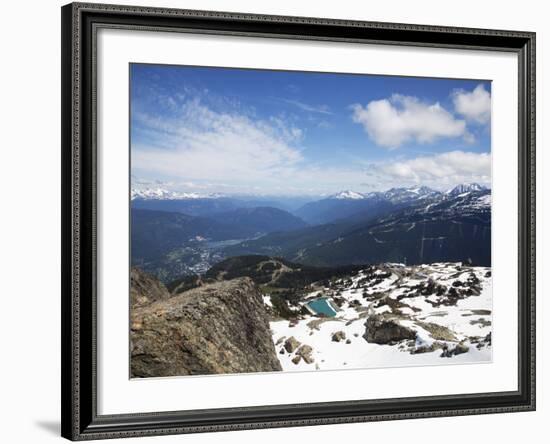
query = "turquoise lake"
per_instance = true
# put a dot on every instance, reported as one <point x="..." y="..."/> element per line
<point x="322" y="306"/>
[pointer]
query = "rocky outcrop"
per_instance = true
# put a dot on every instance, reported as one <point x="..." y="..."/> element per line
<point x="381" y="329"/>
<point x="458" y="349"/>
<point x="145" y="289"/>
<point x="217" y="328"/>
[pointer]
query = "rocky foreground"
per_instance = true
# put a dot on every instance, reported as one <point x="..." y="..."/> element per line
<point x="218" y="328"/>
<point x="260" y="314"/>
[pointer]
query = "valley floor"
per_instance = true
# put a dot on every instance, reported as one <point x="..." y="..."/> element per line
<point x="388" y="316"/>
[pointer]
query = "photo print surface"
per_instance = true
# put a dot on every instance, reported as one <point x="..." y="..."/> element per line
<point x="305" y="221"/>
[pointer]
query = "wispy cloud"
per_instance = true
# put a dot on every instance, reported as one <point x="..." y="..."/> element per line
<point x="321" y="109"/>
<point x="393" y="122"/>
<point x="198" y="142"/>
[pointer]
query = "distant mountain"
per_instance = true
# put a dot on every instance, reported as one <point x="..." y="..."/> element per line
<point x="409" y="195"/>
<point x="195" y="204"/>
<point x="340" y="206"/>
<point x="199" y="206"/>
<point x="435" y="228"/>
<point x="465" y="188"/>
<point x="260" y="220"/>
<point x="454" y="229"/>
<point x="348" y="195"/>
<point x="163" y="194"/>
<point x="368" y="206"/>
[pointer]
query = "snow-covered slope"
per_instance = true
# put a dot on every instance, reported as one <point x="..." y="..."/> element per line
<point x="465" y="188"/>
<point x="391" y="315"/>
<point x="411" y="194"/>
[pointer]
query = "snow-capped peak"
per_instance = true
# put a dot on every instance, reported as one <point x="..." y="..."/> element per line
<point x="465" y="188"/>
<point x="163" y="194"/>
<point x="398" y="195"/>
<point x="347" y="194"/>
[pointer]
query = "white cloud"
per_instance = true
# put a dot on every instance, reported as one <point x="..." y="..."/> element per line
<point x="475" y="105"/>
<point x="400" y="119"/>
<point x="439" y="170"/>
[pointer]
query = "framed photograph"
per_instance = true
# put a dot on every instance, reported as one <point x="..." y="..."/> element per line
<point x="280" y="221"/>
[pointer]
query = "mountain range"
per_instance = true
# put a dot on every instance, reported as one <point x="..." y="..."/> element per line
<point x="175" y="234"/>
<point x="348" y="203"/>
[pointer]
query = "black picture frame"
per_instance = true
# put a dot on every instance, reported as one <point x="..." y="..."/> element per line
<point x="80" y="22"/>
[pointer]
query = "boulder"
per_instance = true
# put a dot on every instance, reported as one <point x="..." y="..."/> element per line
<point x="305" y="352"/>
<point x="458" y="349"/>
<point x="427" y="348"/>
<point x="438" y="332"/>
<point x="217" y="328"/>
<point x="291" y="344"/>
<point x="338" y="336"/>
<point x="381" y="329"/>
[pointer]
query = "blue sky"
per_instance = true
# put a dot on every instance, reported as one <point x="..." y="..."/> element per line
<point x="237" y="131"/>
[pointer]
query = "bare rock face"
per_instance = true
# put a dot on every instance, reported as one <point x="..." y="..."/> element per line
<point x="145" y="289"/>
<point x="381" y="329"/>
<point x="217" y="328"/>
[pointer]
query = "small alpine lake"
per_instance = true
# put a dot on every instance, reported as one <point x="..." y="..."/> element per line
<point x="321" y="306"/>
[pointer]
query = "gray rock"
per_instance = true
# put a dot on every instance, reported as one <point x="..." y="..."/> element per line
<point x="145" y="289"/>
<point x="217" y="328"/>
<point x="458" y="349"/>
<point x="305" y="352"/>
<point x="381" y="329"/>
<point x="427" y="348"/>
<point x="291" y="344"/>
<point x="338" y="336"/>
